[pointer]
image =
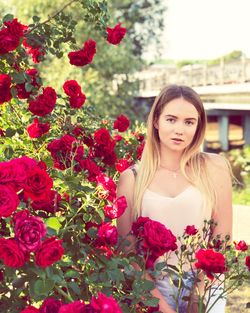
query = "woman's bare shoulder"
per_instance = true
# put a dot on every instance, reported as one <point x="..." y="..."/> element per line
<point x="216" y="161"/>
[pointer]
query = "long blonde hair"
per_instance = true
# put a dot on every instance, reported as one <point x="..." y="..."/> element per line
<point x="192" y="156"/>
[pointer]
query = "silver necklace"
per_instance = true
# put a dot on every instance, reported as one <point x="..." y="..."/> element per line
<point x="173" y="172"/>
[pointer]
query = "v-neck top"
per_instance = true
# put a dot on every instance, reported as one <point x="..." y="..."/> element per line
<point x="187" y="208"/>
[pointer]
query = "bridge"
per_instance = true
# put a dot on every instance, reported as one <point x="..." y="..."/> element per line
<point x="223" y="87"/>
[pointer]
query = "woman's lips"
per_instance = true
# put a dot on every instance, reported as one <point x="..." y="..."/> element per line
<point x="177" y="140"/>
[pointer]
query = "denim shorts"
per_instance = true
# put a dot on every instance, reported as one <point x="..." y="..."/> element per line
<point x="170" y="292"/>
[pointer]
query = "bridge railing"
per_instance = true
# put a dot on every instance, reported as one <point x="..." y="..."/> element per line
<point x="230" y="72"/>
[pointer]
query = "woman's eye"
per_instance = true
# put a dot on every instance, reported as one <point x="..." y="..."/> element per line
<point x="189" y="123"/>
<point x="170" y="120"/>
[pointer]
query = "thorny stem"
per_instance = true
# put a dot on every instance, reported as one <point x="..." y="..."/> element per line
<point x="53" y="16"/>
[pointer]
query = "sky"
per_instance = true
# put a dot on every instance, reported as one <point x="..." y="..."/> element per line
<point x="205" y="29"/>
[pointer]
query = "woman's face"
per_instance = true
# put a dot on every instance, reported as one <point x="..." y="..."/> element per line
<point x="177" y="124"/>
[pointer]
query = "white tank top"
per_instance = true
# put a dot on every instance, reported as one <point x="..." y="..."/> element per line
<point x="176" y="212"/>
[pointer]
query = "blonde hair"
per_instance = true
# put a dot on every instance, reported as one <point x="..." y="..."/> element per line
<point x="192" y="156"/>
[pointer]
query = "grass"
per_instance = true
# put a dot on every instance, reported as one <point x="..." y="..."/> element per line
<point x="237" y="300"/>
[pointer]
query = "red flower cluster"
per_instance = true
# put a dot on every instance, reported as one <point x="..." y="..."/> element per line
<point x="116" y="34"/>
<point x="64" y="151"/>
<point x="104" y="147"/>
<point x="154" y="239"/>
<point x="121" y="123"/>
<point x="73" y="90"/>
<point x="44" y="103"/>
<point x="99" y="304"/>
<point x="10" y="35"/>
<point x="122" y="164"/>
<point x="107" y="234"/>
<point x="32" y="48"/>
<point x="210" y="262"/>
<point x="37" y="129"/>
<point x="5" y="83"/>
<point x="83" y="56"/>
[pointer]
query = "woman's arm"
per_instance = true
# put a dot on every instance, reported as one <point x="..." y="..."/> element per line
<point x="125" y="188"/>
<point x="221" y="178"/>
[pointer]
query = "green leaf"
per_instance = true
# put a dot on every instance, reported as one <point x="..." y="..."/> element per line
<point x="53" y="223"/>
<point x="36" y="19"/>
<point x="75" y="288"/>
<point x="72" y="274"/>
<point x="28" y="87"/>
<point x="10" y="132"/>
<point x="8" y="17"/>
<point x="42" y="287"/>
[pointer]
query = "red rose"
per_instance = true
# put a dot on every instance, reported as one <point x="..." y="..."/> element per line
<point x="2" y="132"/>
<point x="64" y="151"/>
<point x="92" y="168"/>
<point x="247" y="262"/>
<point x="30" y="309"/>
<point x="74" y="307"/>
<point x="38" y="184"/>
<point x="121" y="123"/>
<point x="8" y="42"/>
<point x="11" y="254"/>
<point x="77" y="101"/>
<point x="138" y="226"/>
<point x="50" y="305"/>
<point x="8" y="201"/>
<point x="107" y="233"/>
<point x="72" y="88"/>
<point x="37" y="129"/>
<point x="118" y="137"/>
<point x="116" y="34"/>
<point x="29" y="231"/>
<point x="158" y="238"/>
<point x="83" y="56"/>
<point x="117" y="209"/>
<point x="139" y="150"/>
<point x="108" y="185"/>
<point x="102" y="136"/>
<point x="191" y="230"/>
<point x="104" y="304"/>
<point x="241" y="245"/>
<point x="10" y="35"/>
<point x="121" y="165"/>
<point x="33" y="49"/>
<point x="210" y="262"/>
<point x="50" y="252"/>
<point x="49" y="205"/>
<point x="44" y="103"/>
<point x="5" y="82"/>
<point x="16" y="28"/>
<point x="14" y="172"/>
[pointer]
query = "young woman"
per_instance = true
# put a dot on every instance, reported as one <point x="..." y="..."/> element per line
<point x="175" y="183"/>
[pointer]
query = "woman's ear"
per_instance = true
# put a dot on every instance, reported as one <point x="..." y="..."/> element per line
<point x="156" y="124"/>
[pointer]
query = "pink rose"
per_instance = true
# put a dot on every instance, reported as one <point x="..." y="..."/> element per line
<point x="29" y="231"/>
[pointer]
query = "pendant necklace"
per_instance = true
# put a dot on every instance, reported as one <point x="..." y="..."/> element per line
<point x="173" y="172"/>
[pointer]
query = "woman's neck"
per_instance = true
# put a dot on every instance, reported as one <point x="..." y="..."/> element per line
<point x="170" y="159"/>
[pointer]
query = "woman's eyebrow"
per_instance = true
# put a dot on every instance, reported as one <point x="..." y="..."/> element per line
<point x="188" y="118"/>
